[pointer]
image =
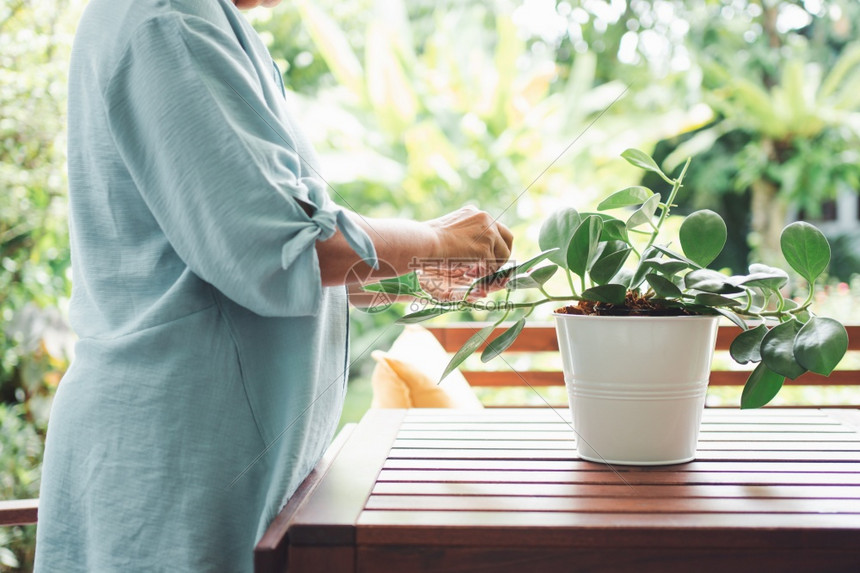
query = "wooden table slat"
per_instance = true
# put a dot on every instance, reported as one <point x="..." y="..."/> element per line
<point x="570" y="454"/>
<point x="813" y="425"/>
<point x="618" y="476"/>
<point x="582" y="465"/>
<point x="705" y="435"/>
<point x="804" y="491"/>
<point x="795" y="555"/>
<point x="624" y="505"/>
<point x="562" y="414"/>
<point x="457" y="453"/>
<point x="465" y="443"/>
<point x="461" y="522"/>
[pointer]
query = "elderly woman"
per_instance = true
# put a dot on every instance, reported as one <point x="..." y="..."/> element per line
<point x="209" y="269"/>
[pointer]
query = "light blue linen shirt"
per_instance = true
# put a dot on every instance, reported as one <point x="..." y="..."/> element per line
<point x="211" y="364"/>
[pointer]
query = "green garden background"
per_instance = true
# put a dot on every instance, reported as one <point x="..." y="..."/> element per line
<point x="418" y="107"/>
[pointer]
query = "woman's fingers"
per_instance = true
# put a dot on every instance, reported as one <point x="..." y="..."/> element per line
<point x="472" y="234"/>
<point x="506" y="234"/>
<point x="471" y="244"/>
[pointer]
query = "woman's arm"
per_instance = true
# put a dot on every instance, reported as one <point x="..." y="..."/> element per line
<point x="459" y="242"/>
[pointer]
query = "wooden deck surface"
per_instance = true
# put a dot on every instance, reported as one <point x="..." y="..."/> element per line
<point x="503" y="490"/>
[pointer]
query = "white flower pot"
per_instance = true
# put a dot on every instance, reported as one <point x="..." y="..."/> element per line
<point x="636" y="385"/>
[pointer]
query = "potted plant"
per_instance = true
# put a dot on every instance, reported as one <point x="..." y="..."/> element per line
<point x="637" y="327"/>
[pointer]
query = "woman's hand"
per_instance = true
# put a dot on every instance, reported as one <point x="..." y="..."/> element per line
<point x="448" y="253"/>
<point x="469" y="244"/>
<point x="470" y="234"/>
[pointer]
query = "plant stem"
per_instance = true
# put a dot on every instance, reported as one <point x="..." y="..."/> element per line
<point x="507" y="306"/>
<point x="780" y="307"/>
<point x="504" y="316"/>
<point x="747" y="308"/>
<point x="779" y="313"/>
<point x="810" y="296"/>
<point x="676" y="186"/>
<point x="570" y="282"/>
<point x="665" y="178"/>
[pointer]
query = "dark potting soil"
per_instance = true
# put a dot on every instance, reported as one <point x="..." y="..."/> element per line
<point x="635" y="304"/>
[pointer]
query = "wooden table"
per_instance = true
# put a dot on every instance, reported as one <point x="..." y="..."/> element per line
<point x="503" y="490"/>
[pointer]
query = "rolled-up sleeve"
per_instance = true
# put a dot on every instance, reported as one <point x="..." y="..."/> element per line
<point x="218" y="167"/>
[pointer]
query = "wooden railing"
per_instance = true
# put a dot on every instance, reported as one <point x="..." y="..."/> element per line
<point x="542" y="338"/>
<point x="19" y="511"/>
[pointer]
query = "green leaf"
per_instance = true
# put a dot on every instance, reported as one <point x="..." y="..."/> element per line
<point x="711" y="299"/>
<point x="605" y="217"/>
<point x="763" y="276"/>
<point x="644" y="267"/>
<point x="703" y="235"/>
<point x="402" y="285"/>
<point x="635" y="195"/>
<point x="612" y="294"/>
<point x="543" y="274"/>
<point x="820" y="345"/>
<point x="624" y="277"/>
<point x="583" y="246"/>
<point x="806" y="249"/>
<point x="695" y="308"/>
<point x="663" y="286"/>
<point x="761" y="387"/>
<point x="642" y="160"/>
<point x="556" y="233"/>
<point x="746" y="347"/>
<point x="669" y="268"/>
<point x="523" y="267"/>
<point x="534" y="280"/>
<point x="502" y="341"/>
<point x="506" y="272"/>
<point x="522" y="282"/>
<point x="777" y="349"/>
<point x="611" y="246"/>
<point x="608" y="264"/>
<point x="710" y="281"/>
<point x="677" y="257"/>
<point x="614" y="229"/>
<point x="733" y="317"/>
<point x="644" y="214"/>
<point x="424" y="314"/>
<point x="467" y="349"/>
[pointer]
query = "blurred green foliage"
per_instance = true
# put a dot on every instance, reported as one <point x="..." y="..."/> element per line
<point x="34" y="254"/>
<point x="783" y="80"/>
<point x="35" y="39"/>
<point x="20" y="457"/>
<point x="419" y="107"/>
